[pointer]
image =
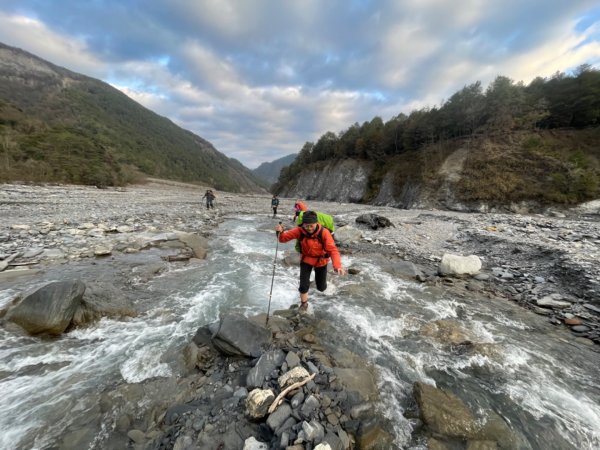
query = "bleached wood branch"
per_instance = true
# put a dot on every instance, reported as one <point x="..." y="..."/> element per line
<point x="283" y="393"/>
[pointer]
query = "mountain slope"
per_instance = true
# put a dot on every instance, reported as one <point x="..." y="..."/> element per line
<point x="57" y="125"/>
<point x="501" y="146"/>
<point x="269" y="171"/>
<point x="521" y="170"/>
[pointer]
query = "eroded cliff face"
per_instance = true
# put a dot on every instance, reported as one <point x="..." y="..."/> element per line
<point x="341" y="181"/>
<point x="522" y="172"/>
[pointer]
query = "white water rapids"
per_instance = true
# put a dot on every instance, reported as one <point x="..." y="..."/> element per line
<point x="537" y="378"/>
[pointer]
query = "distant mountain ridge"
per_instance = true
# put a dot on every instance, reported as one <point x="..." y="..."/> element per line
<point x="269" y="171"/>
<point x="60" y="126"/>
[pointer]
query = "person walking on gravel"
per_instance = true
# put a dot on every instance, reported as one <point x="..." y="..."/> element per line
<point x="210" y="197"/>
<point x="317" y="247"/>
<point x="274" y="205"/>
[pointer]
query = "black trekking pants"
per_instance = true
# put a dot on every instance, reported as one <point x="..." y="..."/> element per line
<point x="320" y="277"/>
<point x="274" y="210"/>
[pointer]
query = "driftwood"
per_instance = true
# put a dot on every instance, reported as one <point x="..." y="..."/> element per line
<point x="283" y="393"/>
<point x="4" y="264"/>
<point x="29" y="263"/>
<point x="180" y="257"/>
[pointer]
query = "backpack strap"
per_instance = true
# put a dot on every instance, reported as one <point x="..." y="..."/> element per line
<point x="319" y="236"/>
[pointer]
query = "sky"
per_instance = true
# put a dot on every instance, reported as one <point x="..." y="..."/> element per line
<point x="259" y="78"/>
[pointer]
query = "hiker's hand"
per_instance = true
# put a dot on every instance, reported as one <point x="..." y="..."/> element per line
<point x="341" y="271"/>
<point x="279" y="228"/>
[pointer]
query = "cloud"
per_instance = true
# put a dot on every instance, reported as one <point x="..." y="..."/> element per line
<point x="35" y="37"/>
<point x="258" y="78"/>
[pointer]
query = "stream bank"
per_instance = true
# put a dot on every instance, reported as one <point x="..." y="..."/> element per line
<point x="559" y="250"/>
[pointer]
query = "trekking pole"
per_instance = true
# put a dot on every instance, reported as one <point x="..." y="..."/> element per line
<point x="272" y="278"/>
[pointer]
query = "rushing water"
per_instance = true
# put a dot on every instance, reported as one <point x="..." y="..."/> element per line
<point x="537" y="378"/>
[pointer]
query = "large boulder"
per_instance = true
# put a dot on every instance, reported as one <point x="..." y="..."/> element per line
<point x="48" y="309"/>
<point x="197" y="243"/>
<point x="102" y="300"/>
<point x="459" y="265"/>
<point x="447" y="331"/>
<point x="358" y="380"/>
<point x="444" y="413"/>
<point x="235" y="335"/>
<point x="374" y="221"/>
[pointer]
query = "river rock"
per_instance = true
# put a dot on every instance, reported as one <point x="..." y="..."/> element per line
<point x="48" y="309"/>
<point x="374" y="221"/>
<point x="197" y="243"/>
<point x="313" y="431"/>
<point x="266" y="364"/>
<point x="444" y="413"/>
<point x="347" y="235"/>
<point x="403" y="269"/>
<point x="235" y="335"/>
<point x="549" y="302"/>
<point x="102" y="250"/>
<point x="481" y="445"/>
<point x="323" y="446"/>
<point x="293" y="376"/>
<point x="279" y="416"/>
<point x="447" y="331"/>
<point x="459" y="265"/>
<point x="291" y="258"/>
<point x="102" y="300"/>
<point x="292" y="360"/>
<point x="252" y="444"/>
<point x="372" y="436"/>
<point x="358" y="380"/>
<point x="258" y="402"/>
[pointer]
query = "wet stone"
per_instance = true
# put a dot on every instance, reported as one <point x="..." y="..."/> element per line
<point x="279" y="416"/>
<point x="573" y="321"/>
<point x="310" y="405"/>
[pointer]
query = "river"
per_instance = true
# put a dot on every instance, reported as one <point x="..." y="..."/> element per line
<point x="535" y="376"/>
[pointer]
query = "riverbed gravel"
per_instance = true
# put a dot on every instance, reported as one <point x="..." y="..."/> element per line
<point x="547" y="263"/>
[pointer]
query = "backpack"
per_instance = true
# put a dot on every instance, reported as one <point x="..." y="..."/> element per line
<point x="325" y="220"/>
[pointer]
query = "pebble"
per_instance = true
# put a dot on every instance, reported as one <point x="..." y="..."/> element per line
<point x="573" y="321"/>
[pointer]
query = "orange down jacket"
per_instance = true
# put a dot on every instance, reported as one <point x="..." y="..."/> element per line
<point x="300" y="206"/>
<point x="313" y="252"/>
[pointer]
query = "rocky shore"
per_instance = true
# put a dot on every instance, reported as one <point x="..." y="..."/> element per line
<point x="546" y="263"/>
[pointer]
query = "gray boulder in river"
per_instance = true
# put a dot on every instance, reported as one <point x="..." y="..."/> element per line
<point x="48" y="309"/>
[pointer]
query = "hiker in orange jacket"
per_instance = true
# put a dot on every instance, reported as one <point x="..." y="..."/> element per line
<point x="317" y="247"/>
<point x="298" y="207"/>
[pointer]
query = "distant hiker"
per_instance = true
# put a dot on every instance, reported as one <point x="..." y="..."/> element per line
<point x="274" y="205"/>
<point x="317" y="247"/>
<point x="210" y="196"/>
<point x="298" y="207"/>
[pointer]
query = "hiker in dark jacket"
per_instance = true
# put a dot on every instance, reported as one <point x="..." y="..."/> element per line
<point x="210" y="196"/>
<point x="274" y="205"/>
<point x="317" y="246"/>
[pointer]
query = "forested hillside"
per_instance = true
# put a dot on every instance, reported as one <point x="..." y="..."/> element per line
<point x="517" y="142"/>
<point x="57" y="125"/>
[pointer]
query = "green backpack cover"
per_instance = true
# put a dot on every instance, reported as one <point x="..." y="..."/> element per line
<point x="324" y="219"/>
